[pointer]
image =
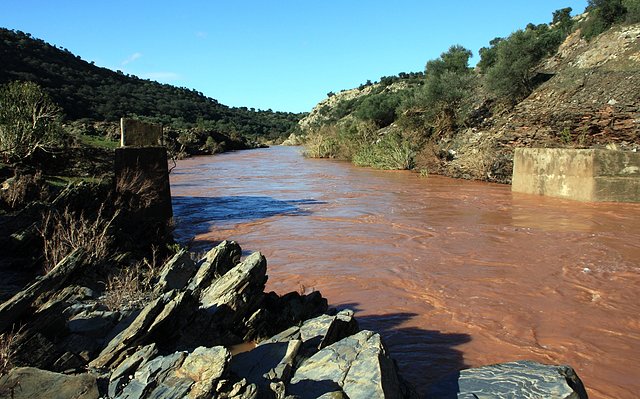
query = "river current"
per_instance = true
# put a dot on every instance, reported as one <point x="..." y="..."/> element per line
<point x="452" y="273"/>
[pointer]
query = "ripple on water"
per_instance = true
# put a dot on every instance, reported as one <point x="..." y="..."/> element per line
<point x="452" y="273"/>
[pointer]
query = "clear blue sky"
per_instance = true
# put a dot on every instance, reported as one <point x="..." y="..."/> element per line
<point x="283" y="55"/>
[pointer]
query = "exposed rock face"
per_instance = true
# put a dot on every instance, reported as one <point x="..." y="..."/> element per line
<point x="177" y="345"/>
<point x="522" y="379"/>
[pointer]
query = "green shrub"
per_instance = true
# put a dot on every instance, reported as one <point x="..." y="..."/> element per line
<point x="605" y="13"/>
<point x="633" y="11"/>
<point x="29" y="120"/>
<point x="379" y="108"/>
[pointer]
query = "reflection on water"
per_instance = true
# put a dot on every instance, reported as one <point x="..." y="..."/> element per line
<point x="452" y="273"/>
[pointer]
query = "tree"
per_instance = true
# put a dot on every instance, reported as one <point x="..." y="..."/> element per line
<point x="512" y="69"/>
<point x="29" y="120"/>
<point x="562" y="19"/>
<point x="448" y="83"/>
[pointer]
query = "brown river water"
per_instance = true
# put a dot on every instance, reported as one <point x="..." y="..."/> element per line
<point x="452" y="273"/>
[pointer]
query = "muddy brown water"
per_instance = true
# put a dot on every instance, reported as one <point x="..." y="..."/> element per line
<point x="452" y="273"/>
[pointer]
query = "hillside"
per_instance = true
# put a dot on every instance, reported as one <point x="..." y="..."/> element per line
<point x="85" y="90"/>
<point x="571" y="90"/>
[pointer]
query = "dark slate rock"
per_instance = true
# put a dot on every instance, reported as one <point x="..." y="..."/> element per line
<point x="176" y="273"/>
<point x="522" y="379"/>
<point x="357" y="366"/>
<point x="215" y="263"/>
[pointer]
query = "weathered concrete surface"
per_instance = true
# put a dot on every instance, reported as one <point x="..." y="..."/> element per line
<point x="134" y="133"/>
<point x="583" y="175"/>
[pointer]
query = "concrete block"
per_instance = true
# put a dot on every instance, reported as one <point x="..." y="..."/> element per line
<point x="584" y="175"/>
<point x="134" y="133"/>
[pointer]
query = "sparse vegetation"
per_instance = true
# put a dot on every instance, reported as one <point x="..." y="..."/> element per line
<point x="437" y="120"/>
<point x="8" y="343"/>
<point x="63" y="232"/>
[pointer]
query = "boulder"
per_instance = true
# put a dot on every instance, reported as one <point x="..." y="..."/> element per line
<point x="522" y="379"/>
<point x="357" y="366"/>
<point x="29" y="382"/>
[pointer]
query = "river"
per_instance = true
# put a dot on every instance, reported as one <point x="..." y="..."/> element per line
<point x="452" y="273"/>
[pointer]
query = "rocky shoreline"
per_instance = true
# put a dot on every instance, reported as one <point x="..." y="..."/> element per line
<point x="184" y="343"/>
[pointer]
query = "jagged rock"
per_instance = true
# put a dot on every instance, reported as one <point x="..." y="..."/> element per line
<point x="523" y="379"/>
<point x="121" y="375"/>
<point x="29" y="382"/>
<point x="178" y="375"/>
<point x="357" y="366"/>
<point x="277" y="313"/>
<point x="204" y="366"/>
<point x="215" y="263"/>
<point x="156" y="379"/>
<point x="267" y="363"/>
<point x="154" y="316"/>
<point x="14" y="308"/>
<point x="238" y="390"/>
<point x="225" y="305"/>
<point x="318" y="333"/>
<point x="176" y="273"/>
<point x="238" y="287"/>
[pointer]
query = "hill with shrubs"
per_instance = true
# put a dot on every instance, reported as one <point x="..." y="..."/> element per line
<point x="88" y="96"/>
<point x="569" y="83"/>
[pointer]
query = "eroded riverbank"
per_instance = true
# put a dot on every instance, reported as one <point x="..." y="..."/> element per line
<point x="452" y="273"/>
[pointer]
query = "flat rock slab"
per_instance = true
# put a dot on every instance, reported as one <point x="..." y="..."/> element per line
<point x="523" y="380"/>
<point x="29" y="382"/>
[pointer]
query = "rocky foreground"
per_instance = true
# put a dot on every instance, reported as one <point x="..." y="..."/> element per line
<point x="184" y="343"/>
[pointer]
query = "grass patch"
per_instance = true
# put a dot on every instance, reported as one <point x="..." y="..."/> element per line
<point x="63" y="181"/>
<point x="97" y="141"/>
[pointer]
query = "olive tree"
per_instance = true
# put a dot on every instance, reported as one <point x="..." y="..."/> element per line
<point x="29" y="120"/>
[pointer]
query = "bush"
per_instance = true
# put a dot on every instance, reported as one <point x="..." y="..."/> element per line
<point x="64" y="232"/>
<point x="391" y="151"/>
<point x="29" y="120"/>
<point x="379" y="108"/>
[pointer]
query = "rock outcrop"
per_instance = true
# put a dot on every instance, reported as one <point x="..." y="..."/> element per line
<point x="524" y="379"/>
<point x="180" y="344"/>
